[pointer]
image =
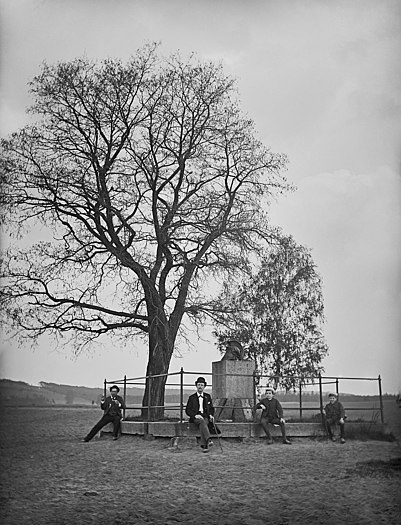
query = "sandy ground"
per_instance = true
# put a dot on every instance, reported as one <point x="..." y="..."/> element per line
<point x="48" y="476"/>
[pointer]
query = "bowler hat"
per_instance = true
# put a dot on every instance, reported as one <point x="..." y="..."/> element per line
<point x="200" y="380"/>
<point x="114" y="387"/>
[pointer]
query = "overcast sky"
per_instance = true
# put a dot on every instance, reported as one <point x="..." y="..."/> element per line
<point x="322" y="81"/>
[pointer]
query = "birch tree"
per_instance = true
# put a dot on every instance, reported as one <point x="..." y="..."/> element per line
<point x="277" y="314"/>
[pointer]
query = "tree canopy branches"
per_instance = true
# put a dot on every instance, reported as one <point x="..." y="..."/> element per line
<point x="147" y="179"/>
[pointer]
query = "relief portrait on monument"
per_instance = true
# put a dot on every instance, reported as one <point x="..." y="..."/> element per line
<point x="234" y="351"/>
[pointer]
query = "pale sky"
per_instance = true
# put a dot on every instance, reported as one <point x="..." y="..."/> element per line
<point x="322" y="81"/>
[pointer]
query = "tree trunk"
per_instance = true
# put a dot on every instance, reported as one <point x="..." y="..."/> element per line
<point x="153" y="399"/>
<point x="161" y="344"/>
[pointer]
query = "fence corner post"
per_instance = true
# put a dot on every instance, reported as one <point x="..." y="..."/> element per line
<point x="379" y="379"/>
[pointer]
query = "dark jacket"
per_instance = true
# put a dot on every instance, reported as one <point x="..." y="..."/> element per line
<point x="112" y="407"/>
<point x="334" y="411"/>
<point x="192" y="408"/>
<point x="273" y="408"/>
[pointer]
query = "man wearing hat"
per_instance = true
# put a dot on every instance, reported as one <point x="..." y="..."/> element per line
<point x="273" y="414"/>
<point x="111" y="406"/>
<point x="200" y="410"/>
<point x="334" y="413"/>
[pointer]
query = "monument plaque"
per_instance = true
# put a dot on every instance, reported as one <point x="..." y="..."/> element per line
<point x="233" y="379"/>
<point x="233" y="389"/>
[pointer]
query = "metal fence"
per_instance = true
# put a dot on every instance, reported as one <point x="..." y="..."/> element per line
<point x="179" y="380"/>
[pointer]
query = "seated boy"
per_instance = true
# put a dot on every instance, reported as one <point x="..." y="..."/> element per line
<point x="334" y="413"/>
<point x="273" y="414"/>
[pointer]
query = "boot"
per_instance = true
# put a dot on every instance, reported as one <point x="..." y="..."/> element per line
<point x="342" y="436"/>
<point x="285" y="440"/>
<point x="267" y="432"/>
<point x="269" y="438"/>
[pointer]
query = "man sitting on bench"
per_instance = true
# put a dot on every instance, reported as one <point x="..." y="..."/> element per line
<point x="200" y="410"/>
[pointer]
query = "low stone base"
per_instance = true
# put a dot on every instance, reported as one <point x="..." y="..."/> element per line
<point x="185" y="429"/>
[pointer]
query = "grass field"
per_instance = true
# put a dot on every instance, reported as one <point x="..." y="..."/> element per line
<point x="49" y="477"/>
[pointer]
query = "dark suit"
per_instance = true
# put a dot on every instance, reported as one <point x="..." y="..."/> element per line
<point x="111" y="414"/>
<point x="192" y="409"/>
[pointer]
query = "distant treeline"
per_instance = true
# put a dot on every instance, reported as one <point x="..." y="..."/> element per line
<point x="19" y="393"/>
<point x="315" y="396"/>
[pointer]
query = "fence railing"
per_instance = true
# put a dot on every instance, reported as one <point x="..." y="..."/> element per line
<point x="303" y="384"/>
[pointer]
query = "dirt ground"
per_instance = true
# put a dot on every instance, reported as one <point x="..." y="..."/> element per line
<point x="48" y="476"/>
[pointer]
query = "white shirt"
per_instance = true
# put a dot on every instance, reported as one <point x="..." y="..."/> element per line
<point x="200" y="399"/>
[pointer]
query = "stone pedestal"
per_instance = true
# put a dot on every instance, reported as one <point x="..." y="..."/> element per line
<point x="233" y="390"/>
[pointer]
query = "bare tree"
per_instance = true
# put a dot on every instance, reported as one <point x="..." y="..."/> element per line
<point x="277" y="314"/>
<point x="151" y="182"/>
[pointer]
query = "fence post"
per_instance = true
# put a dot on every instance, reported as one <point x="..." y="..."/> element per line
<point x="254" y="392"/>
<point x="300" y="401"/>
<point x="337" y="388"/>
<point x="379" y="379"/>
<point x="181" y="394"/>
<point x="150" y="383"/>
<point x="321" y="395"/>
<point x="125" y="395"/>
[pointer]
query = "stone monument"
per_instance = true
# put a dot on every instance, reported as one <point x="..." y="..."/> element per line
<point x="233" y="387"/>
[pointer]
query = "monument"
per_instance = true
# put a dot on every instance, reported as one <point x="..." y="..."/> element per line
<point x="233" y="383"/>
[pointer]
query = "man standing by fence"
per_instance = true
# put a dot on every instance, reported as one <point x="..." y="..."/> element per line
<point x="200" y="410"/>
<point x="111" y="407"/>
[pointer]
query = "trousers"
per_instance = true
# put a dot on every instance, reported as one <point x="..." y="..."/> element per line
<point x="265" y="424"/>
<point x="203" y="429"/>
<point x="107" y="418"/>
<point x="330" y="422"/>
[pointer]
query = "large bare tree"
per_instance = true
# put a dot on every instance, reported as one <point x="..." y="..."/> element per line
<point x="150" y="182"/>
